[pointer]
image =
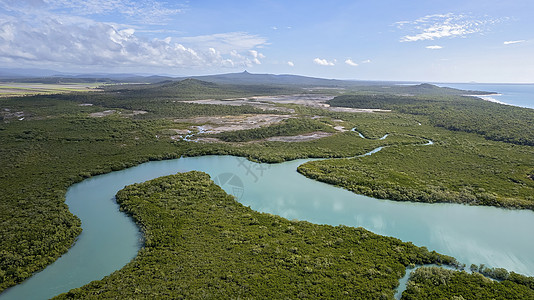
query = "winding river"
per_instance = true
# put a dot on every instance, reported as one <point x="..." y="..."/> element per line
<point x="473" y="234"/>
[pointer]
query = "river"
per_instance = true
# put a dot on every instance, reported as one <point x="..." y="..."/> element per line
<point x="492" y="236"/>
<point x="480" y="235"/>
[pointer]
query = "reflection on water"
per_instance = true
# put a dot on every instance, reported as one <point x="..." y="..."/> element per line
<point x="474" y="235"/>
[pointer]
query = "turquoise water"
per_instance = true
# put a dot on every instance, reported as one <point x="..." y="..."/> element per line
<point x="514" y="94"/>
<point x="492" y="236"/>
<point x="404" y="280"/>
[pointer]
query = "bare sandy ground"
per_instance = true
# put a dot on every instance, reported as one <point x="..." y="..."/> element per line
<point x="231" y="123"/>
<point x="290" y="139"/>
<point x="267" y="102"/>
<point x="302" y="99"/>
<point x="212" y="125"/>
<point x="179" y="133"/>
<point x="240" y="101"/>
<point x="7" y="114"/>
<point x="208" y="140"/>
<point x="134" y="113"/>
<point x="101" y="114"/>
<point x="106" y="113"/>
<point x="318" y="101"/>
<point x="300" y="138"/>
<point x="217" y="124"/>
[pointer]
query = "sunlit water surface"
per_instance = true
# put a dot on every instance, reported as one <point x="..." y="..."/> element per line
<point x="479" y="235"/>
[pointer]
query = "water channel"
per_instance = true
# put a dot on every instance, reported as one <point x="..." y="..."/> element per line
<point x="480" y="235"/>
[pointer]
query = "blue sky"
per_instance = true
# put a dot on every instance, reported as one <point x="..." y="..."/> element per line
<point x="431" y="40"/>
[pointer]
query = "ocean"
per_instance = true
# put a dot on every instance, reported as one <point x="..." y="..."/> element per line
<point x="513" y="94"/>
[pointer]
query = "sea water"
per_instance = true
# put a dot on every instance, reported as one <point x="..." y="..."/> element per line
<point x="521" y="95"/>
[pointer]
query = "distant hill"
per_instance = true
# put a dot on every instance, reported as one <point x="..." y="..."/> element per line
<point x="40" y="75"/>
<point x="242" y="78"/>
<point x="53" y="76"/>
<point x="426" y="88"/>
<point x="58" y="80"/>
<point x="418" y="89"/>
<point x="25" y="73"/>
<point x="246" y="78"/>
<point x="271" y="79"/>
<point x="191" y="88"/>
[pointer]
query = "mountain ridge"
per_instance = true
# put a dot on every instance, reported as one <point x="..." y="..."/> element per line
<point x="245" y="77"/>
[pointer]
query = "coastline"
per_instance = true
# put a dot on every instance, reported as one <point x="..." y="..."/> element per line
<point x="518" y="95"/>
<point x="489" y="98"/>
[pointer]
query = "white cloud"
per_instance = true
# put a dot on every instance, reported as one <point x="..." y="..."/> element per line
<point x="226" y="42"/>
<point x="439" y="31"/>
<point x="323" y="62"/>
<point x="435" y="47"/>
<point x="65" y="41"/>
<point x="438" y="26"/>
<point x="514" y="42"/>
<point x="142" y="12"/>
<point x="147" y="11"/>
<point x="63" y="34"/>
<point x="290" y="63"/>
<point x="367" y="61"/>
<point x="256" y="56"/>
<point x="351" y="63"/>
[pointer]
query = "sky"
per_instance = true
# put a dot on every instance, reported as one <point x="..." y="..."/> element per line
<point x="421" y="40"/>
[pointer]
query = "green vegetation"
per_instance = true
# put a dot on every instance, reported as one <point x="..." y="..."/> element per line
<point x="250" y="254"/>
<point x="459" y="167"/>
<point x="419" y="89"/>
<point x="286" y="128"/>
<point x="492" y="120"/>
<point x="58" y="144"/>
<point x="41" y="107"/>
<point x="157" y="108"/>
<point x="39" y="160"/>
<point x="438" y="283"/>
<point x="193" y="89"/>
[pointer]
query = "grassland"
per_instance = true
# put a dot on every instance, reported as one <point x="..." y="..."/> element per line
<point x="14" y="89"/>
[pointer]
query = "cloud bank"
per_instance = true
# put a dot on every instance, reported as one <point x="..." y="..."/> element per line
<point x="351" y="63"/>
<point x="432" y="27"/>
<point x="142" y="12"/>
<point x="514" y="42"/>
<point x="43" y="37"/>
<point x="323" y="62"/>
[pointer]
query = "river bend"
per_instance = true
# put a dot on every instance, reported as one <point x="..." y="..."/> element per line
<point x="473" y="234"/>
